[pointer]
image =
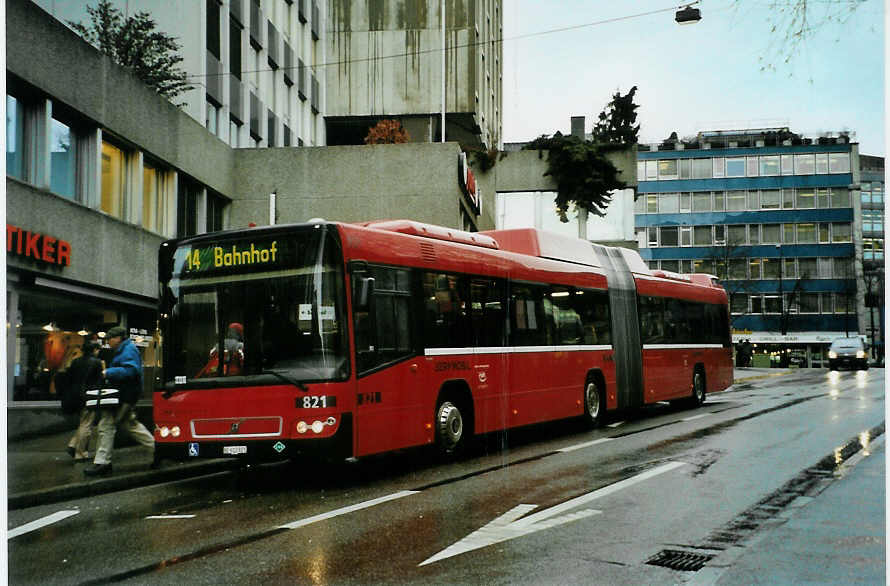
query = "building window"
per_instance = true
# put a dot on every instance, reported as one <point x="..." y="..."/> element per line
<point x="216" y="208"/>
<point x="157" y="201"/>
<point x="15" y="138"/>
<point x="113" y="180"/>
<point x="788" y="233"/>
<point x="738" y="303"/>
<point x="651" y="170"/>
<point x="753" y="200"/>
<point x="840" y="197"/>
<point x="771" y="199"/>
<point x="753" y="166"/>
<point x="754" y="234"/>
<point x="651" y="201"/>
<point x="806" y="233"/>
<point x="702" y="236"/>
<point x="842" y="268"/>
<point x="737" y="235"/>
<point x="841" y="232"/>
<point x="685" y="169"/>
<point x="212" y="119"/>
<point x="735" y="167"/>
<point x="63" y="150"/>
<point x="838" y="162"/>
<point x="807" y="267"/>
<point x="667" y="169"/>
<point x="670" y="236"/>
<point x="669" y="203"/>
<point x="787" y="164"/>
<point x="769" y="165"/>
<point x="735" y="201"/>
<point x="737" y="269"/>
<point x="824" y="233"/>
<point x="719" y="201"/>
<point x="685" y="202"/>
<point x="821" y="163"/>
<point x="788" y="199"/>
<point x="808" y="302"/>
<point x="804" y="164"/>
<point x="771" y="233"/>
<point x="701" y="168"/>
<point x="821" y="198"/>
<point x="718" y="166"/>
<point x="187" y="207"/>
<point x="770" y="268"/>
<point x="806" y="198"/>
<point x="701" y="201"/>
<point x="685" y="236"/>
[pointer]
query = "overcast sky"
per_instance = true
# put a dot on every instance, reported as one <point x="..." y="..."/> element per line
<point x="704" y="76"/>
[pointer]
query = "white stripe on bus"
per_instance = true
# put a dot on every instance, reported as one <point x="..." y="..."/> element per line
<point x="515" y="349"/>
<point x="680" y="346"/>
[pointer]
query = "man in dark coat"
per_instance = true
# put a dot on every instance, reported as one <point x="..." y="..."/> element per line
<point x="85" y="372"/>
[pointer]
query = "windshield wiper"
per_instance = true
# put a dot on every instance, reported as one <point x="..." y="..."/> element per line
<point x="288" y="379"/>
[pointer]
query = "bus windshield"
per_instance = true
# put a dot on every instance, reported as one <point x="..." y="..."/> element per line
<point x="242" y="307"/>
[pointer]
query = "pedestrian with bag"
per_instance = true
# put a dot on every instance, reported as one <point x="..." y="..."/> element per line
<point x="124" y="373"/>
<point x="84" y="372"/>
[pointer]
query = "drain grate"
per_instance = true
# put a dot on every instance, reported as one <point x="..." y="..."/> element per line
<point x="686" y="561"/>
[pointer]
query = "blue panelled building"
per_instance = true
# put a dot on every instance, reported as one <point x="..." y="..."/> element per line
<point x="778" y="219"/>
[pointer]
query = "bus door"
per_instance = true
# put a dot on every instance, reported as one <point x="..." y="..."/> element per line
<point x="626" y="345"/>
<point x="390" y="375"/>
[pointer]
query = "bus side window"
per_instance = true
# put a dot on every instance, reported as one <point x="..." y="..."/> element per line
<point x="487" y="312"/>
<point x="445" y="319"/>
<point x="593" y="308"/>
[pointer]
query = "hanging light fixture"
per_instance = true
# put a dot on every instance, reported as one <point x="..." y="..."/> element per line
<point x="49" y="327"/>
<point x="688" y="15"/>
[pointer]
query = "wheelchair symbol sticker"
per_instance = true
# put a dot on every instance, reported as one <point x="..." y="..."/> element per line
<point x="193" y="449"/>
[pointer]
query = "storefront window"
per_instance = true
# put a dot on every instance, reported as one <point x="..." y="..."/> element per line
<point x="50" y="329"/>
<point x="15" y="138"/>
<point x="113" y="161"/>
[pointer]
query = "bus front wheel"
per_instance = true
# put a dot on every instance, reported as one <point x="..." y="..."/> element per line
<point x="449" y="428"/>
<point x="594" y="404"/>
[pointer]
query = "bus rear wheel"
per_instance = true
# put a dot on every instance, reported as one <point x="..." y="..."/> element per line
<point x="594" y="404"/>
<point x="450" y="436"/>
<point x="698" y="388"/>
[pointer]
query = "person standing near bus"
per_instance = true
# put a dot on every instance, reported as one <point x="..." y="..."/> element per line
<point x="86" y="373"/>
<point x="124" y="372"/>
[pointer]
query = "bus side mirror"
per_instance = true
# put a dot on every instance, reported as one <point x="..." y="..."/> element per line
<point x="364" y="294"/>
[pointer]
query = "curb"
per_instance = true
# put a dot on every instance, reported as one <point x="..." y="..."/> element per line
<point x="122" y="482"/>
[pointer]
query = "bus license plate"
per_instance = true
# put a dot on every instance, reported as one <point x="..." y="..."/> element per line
<point x="234" y="450"/>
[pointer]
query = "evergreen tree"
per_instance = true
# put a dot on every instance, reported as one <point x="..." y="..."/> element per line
<point x="134" y="43"/>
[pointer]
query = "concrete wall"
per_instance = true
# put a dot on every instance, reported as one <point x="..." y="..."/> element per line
<point x="351" y="183"/>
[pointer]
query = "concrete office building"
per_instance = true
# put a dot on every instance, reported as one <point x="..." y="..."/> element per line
<point x="777" y="217"/>
<point x="385" y="61"/>
<point x="254" y="64"/>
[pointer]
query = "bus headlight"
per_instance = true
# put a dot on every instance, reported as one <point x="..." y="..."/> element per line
<point x="174" y="431"/>
<point x="860" y="354"/>
<point x="317" y="426"/>
<point x="302" y="427"/>
<point x="832" y="354"/>
<point x="164" y="431"/>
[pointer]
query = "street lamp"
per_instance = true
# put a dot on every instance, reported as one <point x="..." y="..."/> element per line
<point x="688" y="15"/>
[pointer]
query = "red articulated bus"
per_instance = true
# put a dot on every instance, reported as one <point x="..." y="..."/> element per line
<point x="356" y="339"/>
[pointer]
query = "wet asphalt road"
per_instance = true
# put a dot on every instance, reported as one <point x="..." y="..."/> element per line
<point x="552" y="504"/>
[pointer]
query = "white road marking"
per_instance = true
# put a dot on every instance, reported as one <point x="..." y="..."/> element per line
<point x="34" y="525"/>
<point x="699" y="416"/>
<point x="616" y="424"/>
<point x="349" y="509"/>
<point x="510" y="525"/>
<point x="585" y="444"/>
<point x="170" y="517"/>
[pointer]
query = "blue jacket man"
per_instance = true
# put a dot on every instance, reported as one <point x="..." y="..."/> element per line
<point x="124" y="372"/>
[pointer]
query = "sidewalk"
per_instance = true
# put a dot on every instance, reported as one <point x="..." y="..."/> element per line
<point x="39" y="471"/>
<point x="835" y="537"/>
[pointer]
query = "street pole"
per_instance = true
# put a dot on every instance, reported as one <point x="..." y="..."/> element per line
<point x="442" y="8"/>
